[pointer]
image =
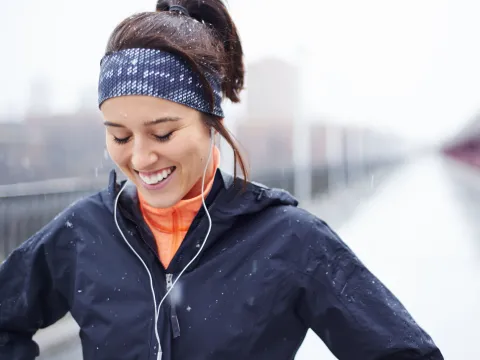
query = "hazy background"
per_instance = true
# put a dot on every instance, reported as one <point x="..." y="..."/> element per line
<point x="367" y="111"/>
<point x="408" y="66"/>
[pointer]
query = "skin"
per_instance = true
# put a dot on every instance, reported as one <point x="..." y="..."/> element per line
<point x="147" y="134"/>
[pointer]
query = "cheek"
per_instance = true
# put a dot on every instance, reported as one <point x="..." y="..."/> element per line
<point x="117" y="153"/>
<point x="191" y="154"/>
<point x="181" y="154"/>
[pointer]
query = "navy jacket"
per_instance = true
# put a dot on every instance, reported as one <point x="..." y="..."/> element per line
<point x="268" y="272"/>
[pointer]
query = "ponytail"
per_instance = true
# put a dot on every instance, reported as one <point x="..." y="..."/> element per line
<point x="214" y="14"/>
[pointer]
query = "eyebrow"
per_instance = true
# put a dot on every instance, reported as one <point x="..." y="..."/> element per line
<point x="147" y="123"/>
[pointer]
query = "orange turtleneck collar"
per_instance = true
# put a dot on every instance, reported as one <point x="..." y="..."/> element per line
<point x="169" y="226"/>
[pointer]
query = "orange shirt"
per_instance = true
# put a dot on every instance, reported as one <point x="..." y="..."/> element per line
<point x="169" y="226"/>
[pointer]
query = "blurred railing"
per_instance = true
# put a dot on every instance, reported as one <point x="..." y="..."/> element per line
<point x="325" y="178"/>
<point x="26" y="208"/>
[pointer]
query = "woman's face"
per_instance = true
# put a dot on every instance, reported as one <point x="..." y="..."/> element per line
<point x="161" y="146"/>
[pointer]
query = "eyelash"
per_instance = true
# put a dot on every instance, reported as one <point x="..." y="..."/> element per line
<point x="121" y="141"/>
<point x="163" y="138"/>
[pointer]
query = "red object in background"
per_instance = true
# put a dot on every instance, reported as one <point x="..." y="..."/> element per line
<point x="467" y="152"/>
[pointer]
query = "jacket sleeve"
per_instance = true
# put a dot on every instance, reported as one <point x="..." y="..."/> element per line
<point x="354" y="314"/>
<point x="29" y="299"/>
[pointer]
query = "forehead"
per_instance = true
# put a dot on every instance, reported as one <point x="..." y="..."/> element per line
<point x="144" y="108"/>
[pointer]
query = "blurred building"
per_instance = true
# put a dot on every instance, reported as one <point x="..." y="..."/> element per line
<point x="268" y="145"/>
<point x="15" y="147"/>
<point x="53" y="146"/>
<point x="266" y="127"/>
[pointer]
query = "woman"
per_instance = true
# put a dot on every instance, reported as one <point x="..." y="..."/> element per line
<point x="183" y="261"/>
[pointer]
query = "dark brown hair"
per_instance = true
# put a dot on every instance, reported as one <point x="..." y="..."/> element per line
<point x="206" y="38"/>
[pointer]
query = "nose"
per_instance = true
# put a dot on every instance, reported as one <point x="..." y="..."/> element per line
<point x="143" y="155"/>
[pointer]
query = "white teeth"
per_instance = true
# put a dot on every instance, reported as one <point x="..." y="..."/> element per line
<point x="159" y="177"/>
<point x="156" y="178"/>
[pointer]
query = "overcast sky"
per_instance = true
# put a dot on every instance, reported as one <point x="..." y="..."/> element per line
<point x="411" y="66"/>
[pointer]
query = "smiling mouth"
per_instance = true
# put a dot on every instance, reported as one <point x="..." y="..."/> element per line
<point x="156" y="177"/>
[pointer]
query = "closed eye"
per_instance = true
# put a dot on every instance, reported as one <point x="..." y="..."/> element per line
<point x="121" y="140"/>
<point x="164" y="138"/>
<point x="161" y="138"/>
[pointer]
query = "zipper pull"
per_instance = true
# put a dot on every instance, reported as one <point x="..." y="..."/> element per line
<point x="169" y="281"/>
<point x="173" y="314"/>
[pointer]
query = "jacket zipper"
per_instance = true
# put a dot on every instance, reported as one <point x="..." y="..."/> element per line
<point x="175" y="228"/>
<point x="168" y="276"/>
<point x="173" y="311"/>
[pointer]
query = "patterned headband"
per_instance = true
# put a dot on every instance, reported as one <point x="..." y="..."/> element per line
<point x="156" y="73"/>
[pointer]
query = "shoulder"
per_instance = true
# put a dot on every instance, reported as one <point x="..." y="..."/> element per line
<point x="307" y="237"/>
<point x="54" y="245"/>
<point x="300" y="222"/>
<point x="69" y="224"/>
